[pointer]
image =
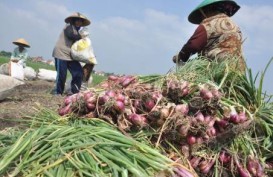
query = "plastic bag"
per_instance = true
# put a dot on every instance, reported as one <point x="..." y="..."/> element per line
<point x="82" y="51"/>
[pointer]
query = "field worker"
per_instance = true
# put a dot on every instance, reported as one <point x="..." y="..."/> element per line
<point x="20" y="54"/>
<point x="61" y="53"/>
<point x="217" y="36"/>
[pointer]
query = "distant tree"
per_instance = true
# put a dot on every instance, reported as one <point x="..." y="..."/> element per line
<point x="5" y="53"/>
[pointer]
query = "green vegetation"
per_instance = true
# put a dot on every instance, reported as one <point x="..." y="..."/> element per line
<point x="97" y="79"/>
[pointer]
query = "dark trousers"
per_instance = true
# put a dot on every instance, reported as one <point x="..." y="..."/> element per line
<point x="76" y="71"/>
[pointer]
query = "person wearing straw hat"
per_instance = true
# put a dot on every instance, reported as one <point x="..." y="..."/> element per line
<point x="20" y="54"/>
<point x="61" y="53"/>
<point x="217" y="37"/>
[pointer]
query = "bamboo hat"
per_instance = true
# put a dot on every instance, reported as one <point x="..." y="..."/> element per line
<point x="70" y="18"/>
<point x="21" y="41"/>
<point x="229" y="7"/>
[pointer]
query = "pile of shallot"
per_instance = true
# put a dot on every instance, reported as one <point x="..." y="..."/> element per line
<point x="187" y="115"/>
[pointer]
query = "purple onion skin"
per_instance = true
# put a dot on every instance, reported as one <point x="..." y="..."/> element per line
<point x="243" y="172"/>
<point x="195" y="161"/>
<point x="112" y="78"/>
<point x="68" y="100"/>
<point x="208" y="167"/>
<point x="119" y="106"/>
<point x="182" y="172"/>
<point x="65" y="110"/>
<point x="255" y="168"/>
<point x="182" y="109"/>
<point x="137" y="119"/>
<point x="200" y="117"/>
<point x="149" y="105"/>
<point x="110" y="93"/>
<point x="206" y="94"/>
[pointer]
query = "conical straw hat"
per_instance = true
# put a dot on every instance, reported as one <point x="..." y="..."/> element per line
<point x="69" y="19"/>
<point x="229" y="6"/>
<point x="21" y="41"/>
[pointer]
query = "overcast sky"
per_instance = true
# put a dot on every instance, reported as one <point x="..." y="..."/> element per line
<point x="133" y="36"/>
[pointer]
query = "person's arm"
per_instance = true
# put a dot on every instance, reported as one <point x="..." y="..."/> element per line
<point x="71" y="33"/>
<point x="194" y="45"/>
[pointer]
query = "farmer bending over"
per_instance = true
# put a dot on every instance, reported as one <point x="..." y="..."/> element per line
<point x="217" y="36"/>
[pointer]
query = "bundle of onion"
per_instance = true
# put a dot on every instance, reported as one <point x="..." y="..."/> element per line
<point x="176" y="90"/>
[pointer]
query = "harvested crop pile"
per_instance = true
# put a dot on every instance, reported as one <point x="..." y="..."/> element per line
<point x="202" y="119"/>
<point x="53" y="146"/>
<point x="212" y="115"/>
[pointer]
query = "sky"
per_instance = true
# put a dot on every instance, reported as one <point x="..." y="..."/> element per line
<point x="133" y="36"/>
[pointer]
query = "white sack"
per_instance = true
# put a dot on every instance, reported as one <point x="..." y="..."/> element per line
<point x="4" y="69"/>
<point x="7" y="86"/>
<point x="47" y="75"/>
<point x="16" y="71"/>
<point x="30" y="73"/>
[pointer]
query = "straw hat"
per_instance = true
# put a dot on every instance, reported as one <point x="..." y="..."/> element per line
<point x="21" y="41"/>
<point x="229" y="7"/>
<point x="69" y="19"/>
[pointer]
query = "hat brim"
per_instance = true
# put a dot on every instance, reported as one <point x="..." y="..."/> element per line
<point x="85" y="22"/>
<point x="22" y="44"/>
<point x="196" y="16"/>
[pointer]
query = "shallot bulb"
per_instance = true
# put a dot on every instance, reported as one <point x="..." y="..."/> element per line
<point x="182" y="109"/>
<point x="87" y="95"/>
<point x="149" y="104"/>
<point x="191" y="139"/>
<point x="205" y="93"/>
<point x="112" y="78"/>
<point x="224" y="157"/>
<point x="200" y="117"/>
<point x="65" y="110"/>
<point x="120" y="97"/>
<point x="119" y="106"/>
<point x="68" y="100"/>
<point x="234" y="118"/>
<point x="110" y="93"/>
<point x="138" y="120"/>
<point x="206" y="165"/>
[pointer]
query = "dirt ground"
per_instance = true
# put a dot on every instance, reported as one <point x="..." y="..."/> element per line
<point x="25" y="100"/>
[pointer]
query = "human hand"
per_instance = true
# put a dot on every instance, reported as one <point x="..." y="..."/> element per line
<point x="175" y="58"/>
<point x="14" y="60"/>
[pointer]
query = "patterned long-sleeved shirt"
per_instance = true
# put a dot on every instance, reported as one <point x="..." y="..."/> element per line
<point x="217" y="37"/>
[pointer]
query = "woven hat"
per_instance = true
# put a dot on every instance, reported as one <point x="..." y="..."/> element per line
<point x="230" y="7"/>
<point x="21" y="41"/>
<point x="70" y="18"/>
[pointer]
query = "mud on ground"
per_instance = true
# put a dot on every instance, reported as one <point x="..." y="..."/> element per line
<point x="25" y="101"/>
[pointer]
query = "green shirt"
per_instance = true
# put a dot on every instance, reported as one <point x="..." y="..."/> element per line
<point x="20" y="56"/>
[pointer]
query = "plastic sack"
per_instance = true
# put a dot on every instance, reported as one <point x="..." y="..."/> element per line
<point x="30" y="73"/>
<point x="7" y="86"/>
<point x="47" y="75"/>
<point x="82" y="51"/>
<point x="16" y="71"/>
